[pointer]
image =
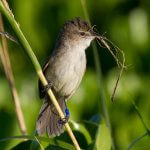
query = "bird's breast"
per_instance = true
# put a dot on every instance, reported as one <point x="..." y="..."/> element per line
<point x="70" y="72"/>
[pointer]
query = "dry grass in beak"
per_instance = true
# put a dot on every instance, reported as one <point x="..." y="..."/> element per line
<point x="105" y="43"/>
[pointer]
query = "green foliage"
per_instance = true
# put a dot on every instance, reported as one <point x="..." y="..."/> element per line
<point x="103" y="140"/>
<point x="23" y="145"/>
<point x="126" y="24"/>
<point x="63" y="141"/>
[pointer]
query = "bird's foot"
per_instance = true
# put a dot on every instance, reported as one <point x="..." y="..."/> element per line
<point x="63" y="120"/>
<point x="66" y="118"/>
<point x="48" y="86"/>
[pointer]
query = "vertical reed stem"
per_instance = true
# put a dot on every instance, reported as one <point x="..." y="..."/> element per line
<point x="99" y="75"/>
<point x="9" y="74"/>
<point x="36" y="65"/>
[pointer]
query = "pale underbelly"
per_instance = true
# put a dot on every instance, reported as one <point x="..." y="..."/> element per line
<point x="66" y="72"/>
<point x="69" y="81"/>
<point x="69" y="76"/>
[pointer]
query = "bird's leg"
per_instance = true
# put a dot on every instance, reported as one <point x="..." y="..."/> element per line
<point x="48" y="86"/>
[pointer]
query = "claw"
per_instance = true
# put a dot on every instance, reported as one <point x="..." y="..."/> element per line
<point x="47" y="87"/>
<point x="66" y="118"/>
<point x="63" y="120"/>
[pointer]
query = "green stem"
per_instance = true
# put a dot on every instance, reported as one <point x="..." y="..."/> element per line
<point x="99" y="75"/>
<point x="137" y="140"/>
<point x="140" y="116"/>
<point x="37" y="67"/>
<point x="21" y="37"/>
<point x="43" y="139"/>
<point x="4" y="55"/>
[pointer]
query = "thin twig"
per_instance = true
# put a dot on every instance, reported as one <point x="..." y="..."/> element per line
<point x="144" y="124"/>
<point x="8" y="36"/>
<point x="117" y="49"/>
<point x="9" y="74"/>
<point x="140" y="116"/>
<point x="137" y="140"/>
<point x="41" y="146"/>
<point x="115" y="87"/>
<point x="37" y="67"/>
<point x="120" y="64"/>
<point x="99" y="76"/>
<point x="103" y="40"/>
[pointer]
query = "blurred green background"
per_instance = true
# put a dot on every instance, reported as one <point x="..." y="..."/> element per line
<point x="126" y="23"/>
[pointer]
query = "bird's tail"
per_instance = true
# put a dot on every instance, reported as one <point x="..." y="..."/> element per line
<point x="49" y="120"/>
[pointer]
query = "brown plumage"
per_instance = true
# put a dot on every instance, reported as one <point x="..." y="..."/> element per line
<point x="64" y="69"/>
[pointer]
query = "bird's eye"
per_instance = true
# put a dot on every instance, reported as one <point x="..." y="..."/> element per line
<point x="82" y="33"/>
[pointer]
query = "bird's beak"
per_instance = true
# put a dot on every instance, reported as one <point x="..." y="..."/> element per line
<point x="94" y="34"/>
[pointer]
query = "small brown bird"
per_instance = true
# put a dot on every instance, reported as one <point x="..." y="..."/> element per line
<point x="64" y="71"/>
